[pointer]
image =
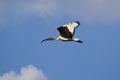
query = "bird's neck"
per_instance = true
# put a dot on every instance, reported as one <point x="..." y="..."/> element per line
<point x="51" y="38"/>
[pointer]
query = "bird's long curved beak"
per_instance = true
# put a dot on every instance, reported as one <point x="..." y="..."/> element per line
<point x="44" y="40"/>
<point x="47" y="39"/>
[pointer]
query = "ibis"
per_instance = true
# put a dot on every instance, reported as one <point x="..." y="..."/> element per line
<point x="67" y="32"/>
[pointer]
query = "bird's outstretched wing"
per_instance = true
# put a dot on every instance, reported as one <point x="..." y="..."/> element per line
<point x="68" y="30"/>
<point x="72" y="26"/>
<point x="64" y="32"/>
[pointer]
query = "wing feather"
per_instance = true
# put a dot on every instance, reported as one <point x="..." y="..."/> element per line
<point x="68" y="30"/>
<point x="64" y="32"/>
<point x="72" y="26"/>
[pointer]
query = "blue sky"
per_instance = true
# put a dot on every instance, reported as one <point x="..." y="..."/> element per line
<point x="24" y="23"/>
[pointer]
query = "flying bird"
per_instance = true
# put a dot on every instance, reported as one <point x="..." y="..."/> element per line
<point x="67" y="32"/>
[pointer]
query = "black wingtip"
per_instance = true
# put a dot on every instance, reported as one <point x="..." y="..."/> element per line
<point x="78" y="23"/>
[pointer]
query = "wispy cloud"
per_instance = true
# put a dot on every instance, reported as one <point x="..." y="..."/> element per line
<point x="87" y="10"/>
<point x="26" y="73"/>
<point x="41" y="7"/>
<point x="27" y="6"/>
<point x="102" y="10"/>
<point x="14" y="10"/>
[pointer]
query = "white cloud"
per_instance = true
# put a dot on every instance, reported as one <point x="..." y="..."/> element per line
<point x="26" y="73"/>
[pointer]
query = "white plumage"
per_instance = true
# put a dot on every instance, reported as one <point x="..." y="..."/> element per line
<point x="71" y="26"/>
<point x="66" y="32"/>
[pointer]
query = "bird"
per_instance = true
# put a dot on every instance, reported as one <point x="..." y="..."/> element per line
<point x="67" y="32"/>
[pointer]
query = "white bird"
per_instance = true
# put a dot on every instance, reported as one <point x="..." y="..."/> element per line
<point x="67" y="32"/>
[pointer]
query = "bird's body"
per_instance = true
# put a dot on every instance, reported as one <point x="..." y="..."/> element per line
<point x="67" y="32"/>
